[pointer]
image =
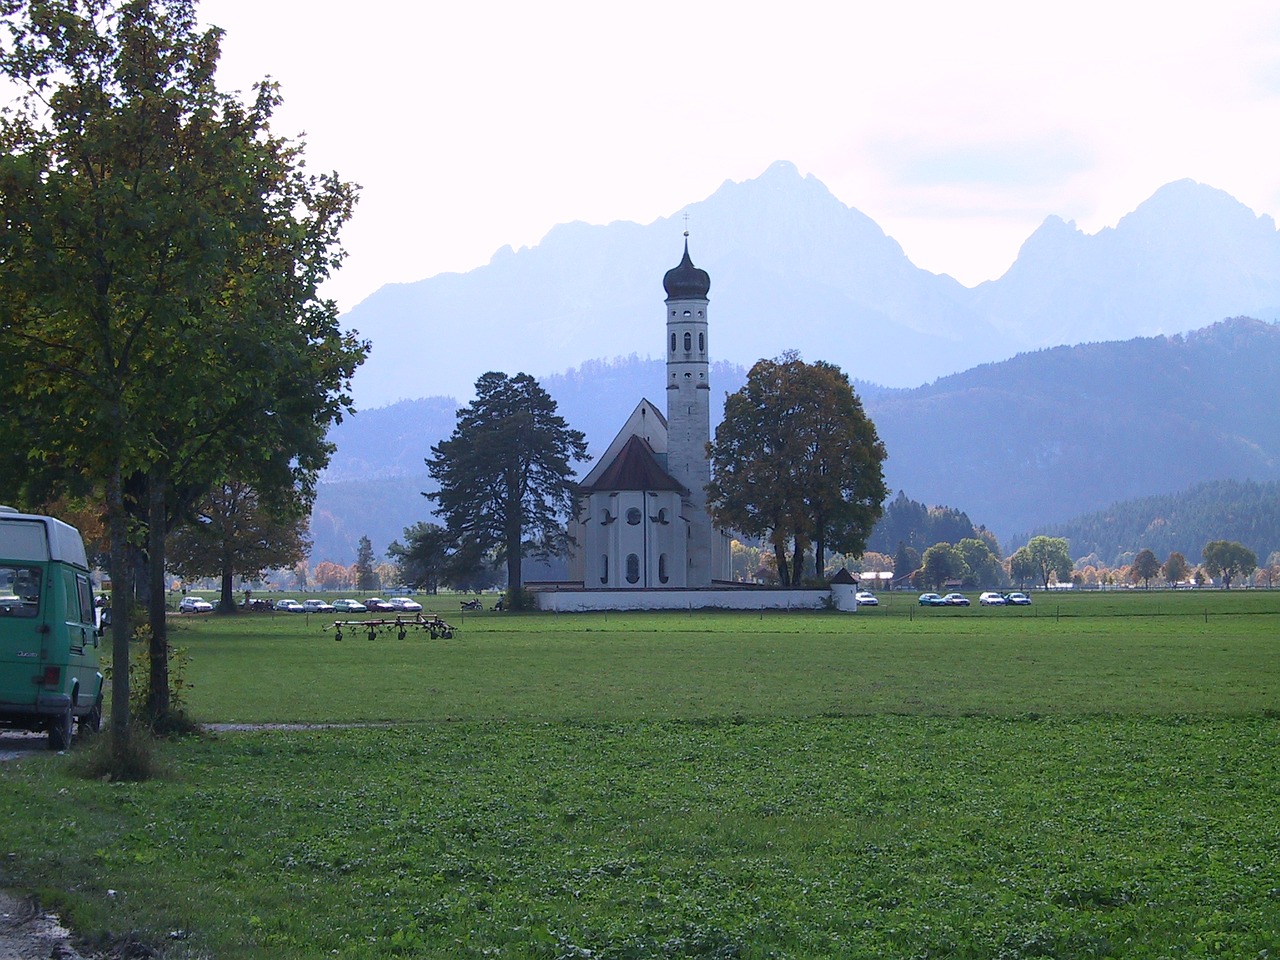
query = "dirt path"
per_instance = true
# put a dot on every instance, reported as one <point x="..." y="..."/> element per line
<point x="28" y="933"/>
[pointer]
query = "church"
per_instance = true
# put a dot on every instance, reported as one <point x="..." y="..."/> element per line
<point x="642" y="520"/>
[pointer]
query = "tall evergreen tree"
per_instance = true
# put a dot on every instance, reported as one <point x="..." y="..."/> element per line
<point x="505" y="475"/>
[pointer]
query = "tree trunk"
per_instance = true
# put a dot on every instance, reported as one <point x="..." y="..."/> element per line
<point x="797" y="565"/>
<point x="780" y="560"/>
<point x="121" y="609"/>
<point x="227" y="601"/>
<point x="158" y="686"/>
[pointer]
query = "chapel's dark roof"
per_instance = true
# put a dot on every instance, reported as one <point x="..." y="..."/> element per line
<point x="635" y="468"/>
<point x="685" y="281"/>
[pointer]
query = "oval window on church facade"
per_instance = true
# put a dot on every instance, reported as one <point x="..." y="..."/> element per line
<point x="633" y="516"/>
<point x="633" y="568"/>
<point x="662" y="568"/>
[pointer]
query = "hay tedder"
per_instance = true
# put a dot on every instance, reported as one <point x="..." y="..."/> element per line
<point x="433" y="625"/>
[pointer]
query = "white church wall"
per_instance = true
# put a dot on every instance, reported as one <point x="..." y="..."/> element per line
<point x="583" y="601"/>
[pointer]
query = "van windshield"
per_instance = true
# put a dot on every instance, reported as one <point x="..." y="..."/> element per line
<point x="19" y="591"/>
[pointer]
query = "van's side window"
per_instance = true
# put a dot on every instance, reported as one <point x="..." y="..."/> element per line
<point x="85" y="592"/>
<point x="20" y="591"/>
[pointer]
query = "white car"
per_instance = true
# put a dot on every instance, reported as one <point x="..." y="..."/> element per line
<point x="866" y="598"/>
<point x="349" y="606"/>
<point x="316" y="606"/>
<point x="405" y="604"/>
<point x="194" y="605"/>
<point x="1018" y="599"/>
<point x="290" y="606"/>
<point x="992" y="599"/>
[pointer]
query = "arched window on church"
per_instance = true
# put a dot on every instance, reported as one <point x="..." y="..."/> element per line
<point x="673" y="343"/>
<point x="604" y="569"/>
<point x="633" y="568"/>
<point x="634" y="516"/>
<point x="662" y="568"/>
<point x="702" y="343"/>
<point x="688" y="342"/>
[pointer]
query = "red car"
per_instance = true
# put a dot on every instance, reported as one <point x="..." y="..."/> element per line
<point x="378" y="605"/>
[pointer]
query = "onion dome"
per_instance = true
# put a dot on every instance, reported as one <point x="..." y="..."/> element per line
<point x="686" y="282"/>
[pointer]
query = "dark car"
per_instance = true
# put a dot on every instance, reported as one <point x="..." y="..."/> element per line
<point x="378" y="605"/>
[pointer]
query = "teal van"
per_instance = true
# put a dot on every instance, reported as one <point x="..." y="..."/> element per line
<point x="49" y="636"/>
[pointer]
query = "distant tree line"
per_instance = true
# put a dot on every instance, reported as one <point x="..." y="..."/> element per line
<point x="1246" y="512"/>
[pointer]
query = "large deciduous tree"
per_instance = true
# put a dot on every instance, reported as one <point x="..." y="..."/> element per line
<point x="159" y="265"/>
<point x="1227" y="559"/>
<point x="505" y="475"/>
<point x="1046" y="558"/>
<point x="796" y="460"/>
<point x="233" y="532"/>
<point x="1145" y="566"/>
<point x="1175" y="569"/>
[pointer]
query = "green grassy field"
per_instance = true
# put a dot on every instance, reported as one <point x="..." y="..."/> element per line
<point x="1095" y="776"/>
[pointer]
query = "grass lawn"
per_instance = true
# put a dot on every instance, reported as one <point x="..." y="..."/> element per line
<point x="1094" y="776"/>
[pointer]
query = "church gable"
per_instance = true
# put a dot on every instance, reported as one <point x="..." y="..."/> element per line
<point x="634" y="468"/>
<point x="648" y="423"/>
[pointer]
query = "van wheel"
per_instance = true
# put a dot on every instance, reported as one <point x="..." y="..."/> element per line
<point x="60" y="732"/>
<point x="91" y="722"/>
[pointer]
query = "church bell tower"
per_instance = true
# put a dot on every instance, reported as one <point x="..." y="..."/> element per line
<point x="689" y="412"/>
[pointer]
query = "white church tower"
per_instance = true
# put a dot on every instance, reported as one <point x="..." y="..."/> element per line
<point x="689" y="415"/>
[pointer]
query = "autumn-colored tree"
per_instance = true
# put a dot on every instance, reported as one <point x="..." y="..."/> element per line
<point x="797" y="462"/>
<point x="1175" y="569"/>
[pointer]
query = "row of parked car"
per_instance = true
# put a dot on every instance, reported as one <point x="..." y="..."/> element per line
<point x="372" y="605"/>
<point x="989" y="599"/>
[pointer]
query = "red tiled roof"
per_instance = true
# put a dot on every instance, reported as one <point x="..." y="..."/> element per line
<point x="635" y="468"/>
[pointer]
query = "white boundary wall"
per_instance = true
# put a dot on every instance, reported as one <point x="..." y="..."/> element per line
<point x="582" y="601"/>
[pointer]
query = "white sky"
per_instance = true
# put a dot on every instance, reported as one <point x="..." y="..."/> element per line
<point x="958" y="127"/>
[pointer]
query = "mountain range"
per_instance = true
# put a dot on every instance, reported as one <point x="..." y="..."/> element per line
<point x="1018" y="445"/>
<point x="981" y="404"/>
<point x="792" y="267"/>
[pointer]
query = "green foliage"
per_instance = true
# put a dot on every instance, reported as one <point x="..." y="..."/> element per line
<point x="1227" y="560"/>
<point x="366" y="576"/>
<point x="160" y="320"/>
<point x="916" y="526"/>
<point x="1145" y="566"/>
<point x="797" y="461"/>
<point x="1045" y="558"/>
<point x="506" y="482"/>
<point x="1243" y="511"/>
<point x="179" y="660"/>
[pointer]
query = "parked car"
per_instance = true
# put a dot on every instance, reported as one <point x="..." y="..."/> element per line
<point x="956" y="600"/>
<point x="992" y="599"/>
<point x="931" y="600"/>
<point x="866" y="598"/>
<point x="317" y="606"/>
<point x="290" y="606"/>
<point x="194" y="605"/>
<point x="349" y="606"/>
<point x="405" y="605"/>
<point x="1018" y="599"/>
<point x="378" y="605"/>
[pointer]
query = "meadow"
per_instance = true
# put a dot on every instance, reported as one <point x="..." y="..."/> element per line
<point x="1094" y="776"/>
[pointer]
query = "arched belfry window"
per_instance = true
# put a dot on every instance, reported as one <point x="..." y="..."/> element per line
<point x="673" y="343"/>
<point x="633" y="568"/>
<point x="688" y="342"/>
<point x="702" y="343"/>
<point x="634" y="516"/>
<point x="604" y="568"/>
<point x="662" y="568"/>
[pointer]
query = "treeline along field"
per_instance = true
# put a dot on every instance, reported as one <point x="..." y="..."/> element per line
<point x="1092" y="781"/>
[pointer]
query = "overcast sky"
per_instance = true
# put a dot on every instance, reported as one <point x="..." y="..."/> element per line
<point x="958" y="127"/>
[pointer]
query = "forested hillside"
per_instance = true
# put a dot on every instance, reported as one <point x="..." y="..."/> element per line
<point x="1247" y="512"/>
